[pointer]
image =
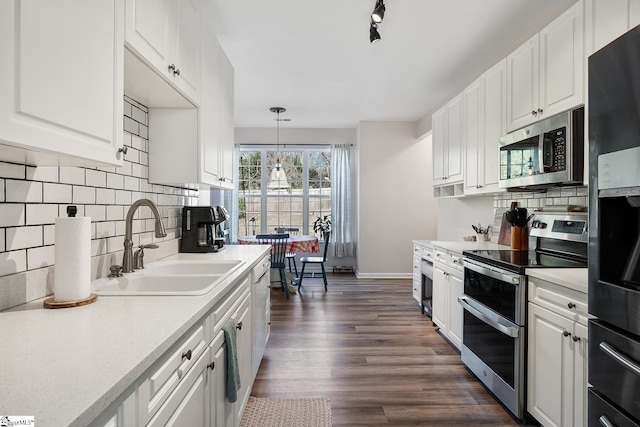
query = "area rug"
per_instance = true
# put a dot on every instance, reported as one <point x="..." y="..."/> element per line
<point x="287" y="412"/>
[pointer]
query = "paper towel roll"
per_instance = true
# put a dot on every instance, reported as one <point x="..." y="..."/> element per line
<point x="72" y="280"/>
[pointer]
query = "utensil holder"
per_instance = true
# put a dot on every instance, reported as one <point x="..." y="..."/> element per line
<point x="520" y="238"/>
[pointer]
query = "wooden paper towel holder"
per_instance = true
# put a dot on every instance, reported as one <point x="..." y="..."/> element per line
<point x="51" y="303"/>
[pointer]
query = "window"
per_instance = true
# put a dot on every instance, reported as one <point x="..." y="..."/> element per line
<point x="292" y="195"/>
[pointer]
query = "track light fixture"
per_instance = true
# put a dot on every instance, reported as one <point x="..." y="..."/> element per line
<point x="378" y="12"/>
<point x="376" y="18"/>
<point x="374" y="35"/>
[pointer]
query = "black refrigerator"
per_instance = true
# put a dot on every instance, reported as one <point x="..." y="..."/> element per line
<point x="614" y="233"/>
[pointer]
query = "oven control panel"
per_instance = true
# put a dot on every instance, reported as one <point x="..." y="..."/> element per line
<point x="569" y="227"/>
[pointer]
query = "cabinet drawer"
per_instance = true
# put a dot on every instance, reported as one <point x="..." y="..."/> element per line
<point x="559" y="299"/>
<point x="441" y="256"/>
<point x="221" y="311"/>
<point x="167" y="373"/>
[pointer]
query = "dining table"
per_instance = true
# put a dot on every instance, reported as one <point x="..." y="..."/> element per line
<point x="295" y="243"/>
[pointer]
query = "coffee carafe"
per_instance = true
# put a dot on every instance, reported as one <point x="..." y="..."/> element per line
<point x="200" y="229"/>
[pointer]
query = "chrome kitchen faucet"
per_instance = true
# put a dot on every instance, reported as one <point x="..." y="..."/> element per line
<point x="127" y="259"/>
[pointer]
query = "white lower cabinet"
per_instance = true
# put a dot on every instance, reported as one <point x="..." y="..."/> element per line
<point x="447" y="287"/>
<point x="557" y="356"/>
<point x="187" y="385"/>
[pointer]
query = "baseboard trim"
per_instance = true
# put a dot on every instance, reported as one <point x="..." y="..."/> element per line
<point x="360" y="275"/>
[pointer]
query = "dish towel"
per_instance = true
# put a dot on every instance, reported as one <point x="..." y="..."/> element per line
<point x="233" y="373"/>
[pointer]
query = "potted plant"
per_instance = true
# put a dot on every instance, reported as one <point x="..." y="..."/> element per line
<point x="322" y="225"/>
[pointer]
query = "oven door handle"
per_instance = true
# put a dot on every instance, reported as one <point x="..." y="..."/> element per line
<point x="625" y="361"/>
<point x="490" y="318"/>
<point x="486" y="271"/>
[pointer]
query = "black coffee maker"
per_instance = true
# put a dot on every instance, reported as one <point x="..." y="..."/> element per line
<point x="201" y="230"/>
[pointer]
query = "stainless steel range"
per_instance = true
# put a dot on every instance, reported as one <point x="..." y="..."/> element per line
<point x="495" y="301"/>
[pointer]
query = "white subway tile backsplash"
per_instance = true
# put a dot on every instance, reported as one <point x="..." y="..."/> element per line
<point x="123" y="197"/>
<point x="96" y="178"/>
<point x="41" y="213"/>
<point x="115" y="213"/>
<point x="131" y="183"/>
<point x="42" y="173"/>
<point x="84" y="195"/>
<point x="105" y="196"/>
<point x="57" y="193"/>
<point x="105" y="229"/>
<point x="23" y="191"/>
<point x="130" y="126"/>
<point x="43" y="256"/>
<point x="582" y="192"/>
<point x="12" y="214"/>
<point x="49" y="233"/>
<point x="96" y="212"/>
<point x="568" y="191"/>
<point x="10" y="170"/>
<point x="35" y="196"/>
<point x="13" y="262"/>
<point x="138" y="115"/>
<point x="23" y="237"/>
<point x="72" y="175"/>
<point x="115" y="181"/>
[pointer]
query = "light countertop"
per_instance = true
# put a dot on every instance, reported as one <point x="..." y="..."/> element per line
<point x="573" y="278"/>
<point x="459" y="246"/>
<point x="65" y="366"/>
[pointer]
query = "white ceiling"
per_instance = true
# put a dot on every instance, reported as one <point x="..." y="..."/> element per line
<point x="315" y="59"/>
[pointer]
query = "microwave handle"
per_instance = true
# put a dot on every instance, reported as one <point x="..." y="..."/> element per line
<point x="547" y="151"/>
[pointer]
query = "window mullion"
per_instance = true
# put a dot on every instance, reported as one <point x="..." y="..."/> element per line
<point x="305" y="192"/>
<point x="264" y="180"/>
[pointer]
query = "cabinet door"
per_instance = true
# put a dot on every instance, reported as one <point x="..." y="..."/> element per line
<point x="455" y="156"/>
<point x="562" y="63"/>
<point x="243" y="340"/>
<point x="473" y="123"/>
<point x="580" y="379"/>
<point x="440" y="298"/>
<point x="522" y="84"/>
<point x="222" y="412"/>
<point x="550" y="370"/>
<point x="189" y="404"/>
<point x="188" y="42"/>
<point x="147" y="30"/>
<point x="439" y="135"/>
<point x="226" y="121"/>
<point x="494" y="125"/>
<point x="606" y="20"/>
<point x="634" y="13"/>
<point x="456" y="289"/>
<point x="210" y="107"/>
<point x="53" y="102"/>
<point x="417" y="278"/>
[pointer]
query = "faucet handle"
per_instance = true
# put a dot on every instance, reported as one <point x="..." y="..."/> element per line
<point x="115" y="271"/>
<point x="138" y="256"/>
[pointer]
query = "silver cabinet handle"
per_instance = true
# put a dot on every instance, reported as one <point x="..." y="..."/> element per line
<point x="493" y="321"/>
<point x="620" y="358"/>
<point x="604" y="421"/>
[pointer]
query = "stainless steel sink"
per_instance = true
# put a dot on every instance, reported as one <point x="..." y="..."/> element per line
<point x="168" y="278"/>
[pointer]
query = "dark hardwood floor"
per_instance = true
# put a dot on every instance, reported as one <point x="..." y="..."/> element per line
<point x="365" y="345"/>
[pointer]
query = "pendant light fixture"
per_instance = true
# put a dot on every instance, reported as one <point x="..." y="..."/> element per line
<point x="278" y="178"/>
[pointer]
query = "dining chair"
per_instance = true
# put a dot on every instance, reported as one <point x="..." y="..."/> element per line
<point x="278" y="244"/>
<point x="315" y="260"/>
<point x="291" y="256"/>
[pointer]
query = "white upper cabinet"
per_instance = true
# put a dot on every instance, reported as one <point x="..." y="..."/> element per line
<point x="205" y="134"/>
<point x="545" y="75"/>
<point x="166" y="35"/>
<point x="62" y="82"/>
<point x="447" y="143"/>
<point x="607" y="20"/>
<point x="484" y="124"/>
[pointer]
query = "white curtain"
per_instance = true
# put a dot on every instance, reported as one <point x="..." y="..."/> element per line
<point x="341" y="212"/>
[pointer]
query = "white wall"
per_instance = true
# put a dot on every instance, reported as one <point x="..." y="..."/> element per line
<point x="295" y="136"/>
<point x="457" y="215"/>
<point x="395" y="197"/>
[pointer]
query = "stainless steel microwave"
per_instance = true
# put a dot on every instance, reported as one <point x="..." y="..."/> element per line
<point x="547" y="153"/>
